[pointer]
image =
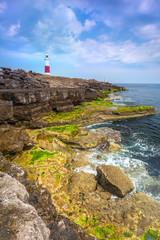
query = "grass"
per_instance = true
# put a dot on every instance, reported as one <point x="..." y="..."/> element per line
<point x="38" y="155"/>
<point x="66" y="116"/>
<point x="85" y="111"/>
<point x="70" y="130"/>
<point x="134" y="108"/>
<point x="99" y="103"/>
<point x="107" y="92"/>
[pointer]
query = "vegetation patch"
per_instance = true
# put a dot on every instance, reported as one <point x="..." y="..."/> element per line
<point x="35" y="148"/>
<point x="38" y="155"/>
<point x="106" y="232"/>
<point x="107" y="92"/>
<point x="99" y="103"/>
<point x="134" y="108"/>
<point x="66" y="116"/>
<point x="70" y="130"/>
<point x="58" y="177"/>
<point x="150" y="235"/>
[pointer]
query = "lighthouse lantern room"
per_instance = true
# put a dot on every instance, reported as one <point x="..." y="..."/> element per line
<point x="47" y="67"/>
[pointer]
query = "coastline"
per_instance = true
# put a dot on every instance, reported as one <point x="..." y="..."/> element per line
<point x="48" y="155"/>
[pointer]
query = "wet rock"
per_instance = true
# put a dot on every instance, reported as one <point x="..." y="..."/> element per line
<point x="6" y="110"/>
<point x="18" y="219"/>
<point x="13" y="139"/>
<point x="99" y="157"/>
<point x="112" y="179"/>
<point x="113" y="135"/>
<point x="109" y="147"/>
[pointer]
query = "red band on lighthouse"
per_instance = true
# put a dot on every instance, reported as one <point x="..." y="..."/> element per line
<point x="47" y="69"/>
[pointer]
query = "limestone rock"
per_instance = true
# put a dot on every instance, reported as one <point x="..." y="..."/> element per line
<point x="82" y="183"/>
<point x="18" y="219"/>
<point x="109" y="147"/>
<point x="113" y="135"/>
<point x="6" y="110"/>
<point x="112" y="179"/>
<point x="13" y="139"/>
<point x="84" y="139"/>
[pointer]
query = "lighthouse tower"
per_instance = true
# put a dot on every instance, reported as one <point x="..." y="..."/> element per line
<point x="47" y="67"/>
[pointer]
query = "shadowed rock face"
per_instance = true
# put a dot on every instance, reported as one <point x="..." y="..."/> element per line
<point x="112" y="178"/>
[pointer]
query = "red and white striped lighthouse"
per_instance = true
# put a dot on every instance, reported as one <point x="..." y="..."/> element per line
<point x="47" y="67"/>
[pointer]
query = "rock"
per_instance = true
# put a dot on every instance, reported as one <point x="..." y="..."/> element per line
<point x="77" y="184"/>
<point x="27" y="90"/>
<point x="18" y="219"/>
<point x="67" y="108"/>
<point x="109" y="147"/>
<point x="82" y="160"/>
<point x="112" y="179"/>
<point x="40" y="198"/>
<point x="68" y="230"/>
<point x="13" y="139"/>
<point x="84" y="139"/>
<point x="6" y="110"/>
<point x="114" y="147"/>
<point x="99" y="157"/>
<point x="137" y="212"/>
<point x="113" y="135"/>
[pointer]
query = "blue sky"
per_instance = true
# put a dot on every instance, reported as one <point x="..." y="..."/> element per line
<point x="84" y="38"/>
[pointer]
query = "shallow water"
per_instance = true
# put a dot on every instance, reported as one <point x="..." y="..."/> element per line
<point x="139" y="157"/>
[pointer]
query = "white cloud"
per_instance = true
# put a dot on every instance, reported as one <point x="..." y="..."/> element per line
<point x="3" y="6"/>
<point x="13" y="30"/>
<point x="88" y="25"/>
<point x="149" y="31"/>
<point x="145" y="6"/>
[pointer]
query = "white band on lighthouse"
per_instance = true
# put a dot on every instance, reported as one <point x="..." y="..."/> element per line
<point x="47" y="67"/>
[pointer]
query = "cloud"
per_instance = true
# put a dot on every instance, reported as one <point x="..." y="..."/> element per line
<point x="13" y="30"/>
<point x="88" y="25"/>
<point x="149" y="31"/>
<point x="145" y="6"/>
<point x="3" y="6"/>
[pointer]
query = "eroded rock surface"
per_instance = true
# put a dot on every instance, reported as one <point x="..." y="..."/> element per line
<point x="13" y="139"/>
<point x="18" y="219"/>
<point x="112" y="179"/>
<point x="113" y="135"/>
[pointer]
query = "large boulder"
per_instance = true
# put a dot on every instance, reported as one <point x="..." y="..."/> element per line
<point x="13" y="139"/>
<point x="112" y="179"/>
<point x="18" y="219"/>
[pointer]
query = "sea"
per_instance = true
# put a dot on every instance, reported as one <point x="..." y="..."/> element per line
<point x="139" y="156"/>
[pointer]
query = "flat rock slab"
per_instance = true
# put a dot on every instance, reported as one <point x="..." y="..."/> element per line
<point x="112" y="108"/>
<point x="112" y="179"/>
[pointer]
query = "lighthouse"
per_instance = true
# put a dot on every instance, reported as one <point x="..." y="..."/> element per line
<point x="47" y="67"/>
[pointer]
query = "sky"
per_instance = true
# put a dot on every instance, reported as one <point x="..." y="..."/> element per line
<point x="88" y="39"/>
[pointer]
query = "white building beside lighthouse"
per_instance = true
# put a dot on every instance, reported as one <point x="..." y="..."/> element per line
<point x="47" y="67"/>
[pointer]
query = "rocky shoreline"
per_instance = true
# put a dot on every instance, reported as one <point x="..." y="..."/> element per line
<point x="42" y="148"/>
